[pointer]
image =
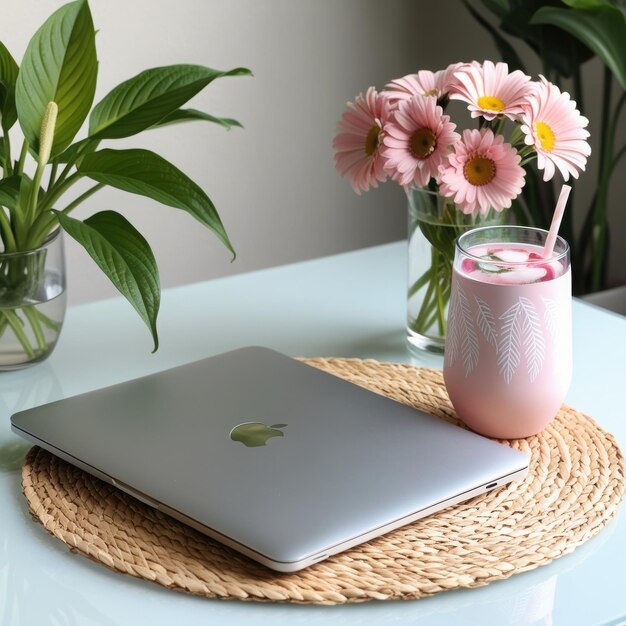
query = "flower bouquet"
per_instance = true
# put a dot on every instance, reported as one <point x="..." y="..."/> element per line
<point x="456" y="180"/>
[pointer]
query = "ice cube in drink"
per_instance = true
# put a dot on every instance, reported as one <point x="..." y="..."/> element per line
<point x="510" y="264"/>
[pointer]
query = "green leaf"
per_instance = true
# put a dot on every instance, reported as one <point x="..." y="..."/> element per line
<point x="147" y="174"/>
<point x="60" y="65"/>
<point x="8" y="76"/>
<point x="497" y="7"/>
<point x="146" y="99"/>
<point x="85" y="146"/>
<point x="620" y="4"/>
<point x="558" y="49"/>
<point x="587" y="4"/>
<point x="1" y="152"/>
<point x="507" y="52"/>
<point x="9" y="192"/>
<point x="191" y="115"/>
<point x="602" y="29"/>
<point x="122" y="253"/>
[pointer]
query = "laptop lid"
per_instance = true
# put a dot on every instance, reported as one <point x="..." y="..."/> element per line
<point x="275" y="458"/>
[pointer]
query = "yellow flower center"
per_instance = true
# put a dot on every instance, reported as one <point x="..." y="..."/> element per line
<point x="479" y="171"/>
<point x="430" y="92"/>
<point x="422" y="143"/>
<point x="545" y="135"/>
<point x="371" y="141"/>
<point x="491" y="103"/>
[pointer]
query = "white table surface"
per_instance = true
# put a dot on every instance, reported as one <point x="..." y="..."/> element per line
<point x="348" y="305"/>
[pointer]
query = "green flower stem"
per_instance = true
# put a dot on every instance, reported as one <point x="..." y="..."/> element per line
<point x="46" y="321"/>
<point x="441" y="305"/>
<point x="619" y="107"/>
<point x="617" y="158"/>
<point x="7" y="233"/>
<point x="433" y="308"/>
<point x="420" y="282"/>
<point x="33" y="320"/>
<point x="588" y="231"/>
<point x="436" y="312"/>
<point x="72" y="205"/>
<point x="23" y="153"/>
<point x="599" y="239"/>
<point x="9" y="318"/>
<point x="68" y="167"/>
<point x="441" y="234"/>
<point x="45" y="221"/>
<point x="31" y="212"/>
<point x="53" y="175"/>
<point x="498" y="125"/>
<point x="16" y="325"/>
<point x="8" y="170"/>
<point x="529" y="159"/>
<point x="59" y="188"/>
<point x="517" y="137"/>
<point x="606" y="112"/>
<point x="38" y="230"/>
<point x="418" y="324"/>
<point x="429" y="318"/>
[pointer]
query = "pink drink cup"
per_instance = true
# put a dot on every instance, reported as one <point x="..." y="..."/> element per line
<point x="508" y="353"/>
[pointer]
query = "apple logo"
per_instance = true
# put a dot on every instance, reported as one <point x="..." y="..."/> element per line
<point x="255" y="434"/>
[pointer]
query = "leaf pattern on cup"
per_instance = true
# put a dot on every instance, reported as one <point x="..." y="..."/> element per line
<point x="521" y="330"/>
<point x="486" y="322"/>
<point x="534" y="344"/>
<point x="510" y="342"/>
<point x="462" y="335"/>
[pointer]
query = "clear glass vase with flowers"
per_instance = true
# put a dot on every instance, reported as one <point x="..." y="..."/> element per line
<point x="455" y="178"/>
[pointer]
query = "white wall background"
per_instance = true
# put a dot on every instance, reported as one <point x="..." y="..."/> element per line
<point x="273" y="182"/>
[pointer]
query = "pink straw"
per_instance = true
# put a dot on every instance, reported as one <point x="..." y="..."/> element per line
<point x="556" y="222"/>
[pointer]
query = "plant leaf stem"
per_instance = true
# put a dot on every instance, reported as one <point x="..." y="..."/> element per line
<point x="46" y="221"/>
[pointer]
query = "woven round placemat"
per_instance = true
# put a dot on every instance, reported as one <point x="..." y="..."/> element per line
<point x="573" y="488"/>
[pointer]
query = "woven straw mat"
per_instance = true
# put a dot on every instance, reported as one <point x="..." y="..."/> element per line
<point x="573" y="488"/>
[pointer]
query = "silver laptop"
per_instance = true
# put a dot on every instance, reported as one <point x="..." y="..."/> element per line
<point x="272" y="457"/>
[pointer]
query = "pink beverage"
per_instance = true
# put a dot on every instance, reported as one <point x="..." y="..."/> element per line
<point x="508" y="353"/>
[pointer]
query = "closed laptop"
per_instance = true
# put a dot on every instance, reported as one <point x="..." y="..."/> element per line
<point x="276" y="459"/>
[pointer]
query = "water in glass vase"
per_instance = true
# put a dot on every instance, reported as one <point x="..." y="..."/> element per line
<point x="435" y="223"/>
<point x="430" y="273"/>
<point x="30" y="327"/>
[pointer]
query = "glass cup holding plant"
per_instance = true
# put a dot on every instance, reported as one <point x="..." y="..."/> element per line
<point x="51" y="94"/>
<point x="455" y="180"/>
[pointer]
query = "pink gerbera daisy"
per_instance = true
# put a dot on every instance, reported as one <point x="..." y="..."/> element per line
<point x="424" y="83"/>
<point x="481" y="173"/>
<point x="491" y="91"/>
<point x="357" y="142"/>
<point x="446" y="80"/>
<point x="417" y="139"/>
<point x="556" y="129"/>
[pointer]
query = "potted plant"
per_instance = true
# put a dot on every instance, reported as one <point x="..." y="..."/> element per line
<point x="565" y="34"/>
<point x="50" y="95"/>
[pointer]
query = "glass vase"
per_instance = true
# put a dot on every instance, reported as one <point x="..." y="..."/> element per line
<point x="435" y="222"/>
<point x="32" y="303"/>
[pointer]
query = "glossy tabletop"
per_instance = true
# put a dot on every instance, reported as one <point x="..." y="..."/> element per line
<point x="348" y="305"/>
